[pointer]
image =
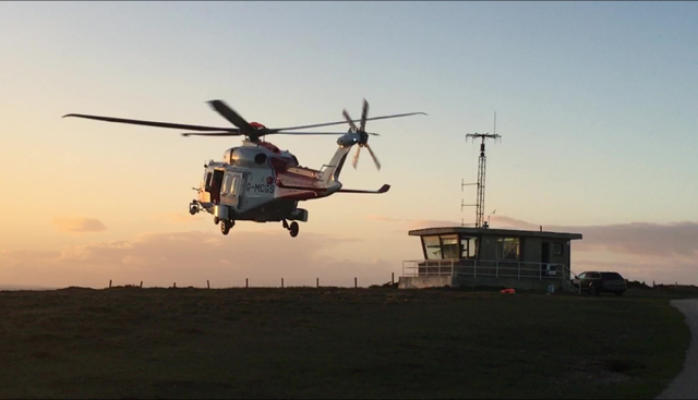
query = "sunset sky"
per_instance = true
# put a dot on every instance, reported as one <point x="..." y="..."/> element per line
<point x="595" y="101"/>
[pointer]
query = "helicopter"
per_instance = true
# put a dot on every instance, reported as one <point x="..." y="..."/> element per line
<point x="259" y="182"/>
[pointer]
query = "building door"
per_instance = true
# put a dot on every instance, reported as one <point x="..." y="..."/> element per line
<point x="545" y="253"/>
<point x="544" y="257"/>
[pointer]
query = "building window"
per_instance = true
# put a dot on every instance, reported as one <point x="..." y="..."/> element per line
<point x="557" y="249"/>
<point x="432" y="247"/>
<point x="468" y="247"/>
<point x="508" y="249"/>
<point x="449" y="244"/>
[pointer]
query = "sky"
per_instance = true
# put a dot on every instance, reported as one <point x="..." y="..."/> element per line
<point x="595" y="103"/>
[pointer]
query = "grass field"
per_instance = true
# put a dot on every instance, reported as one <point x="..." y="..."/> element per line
<point x="336" y="343"/>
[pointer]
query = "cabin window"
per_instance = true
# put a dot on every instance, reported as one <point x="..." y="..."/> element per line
<point x="260" y="158"/>
<point x="233" y="185"/>
<point x="432" y="247"/>
<point x="449" y="244"/>
<point x="508" y="249"/>
<point x="230" y="183"/>
<point x="226" y="184"/>
<point x="468" y="247"/>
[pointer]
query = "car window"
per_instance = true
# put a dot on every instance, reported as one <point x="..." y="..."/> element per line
<point x="611" y="276"/>
<point x="582" y="275"/>
<point x="594" y="275"/>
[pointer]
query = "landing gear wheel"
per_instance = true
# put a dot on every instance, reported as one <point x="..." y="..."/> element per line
<point x="216" y="220"/>
<point x="226" y="225"/>
<point x="294" y="229"/>
<point x="192" y="210"/>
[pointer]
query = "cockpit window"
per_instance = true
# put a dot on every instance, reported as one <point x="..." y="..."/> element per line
<point x="207" y="179"/>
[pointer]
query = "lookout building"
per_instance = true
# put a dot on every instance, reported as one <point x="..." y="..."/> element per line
<point x="461" y="256"/>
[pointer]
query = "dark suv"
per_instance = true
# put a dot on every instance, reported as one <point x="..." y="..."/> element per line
<point x="596" y="282"/>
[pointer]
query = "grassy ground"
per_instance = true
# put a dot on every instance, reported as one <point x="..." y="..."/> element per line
<point x="313" y="343"/>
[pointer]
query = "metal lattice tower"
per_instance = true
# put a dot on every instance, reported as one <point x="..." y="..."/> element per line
<point x="481" y="169"/>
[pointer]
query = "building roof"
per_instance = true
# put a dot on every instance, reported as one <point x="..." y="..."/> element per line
<point x="494" y="232"/>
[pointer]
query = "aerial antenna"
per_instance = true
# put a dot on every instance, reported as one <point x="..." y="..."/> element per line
<point x="480" y="203"/>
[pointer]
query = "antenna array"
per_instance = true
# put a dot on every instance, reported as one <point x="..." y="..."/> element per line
<point x="480" y="203"/>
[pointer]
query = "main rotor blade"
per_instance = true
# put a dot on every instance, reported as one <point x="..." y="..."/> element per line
<point x="306" y="133"/>
<point x="364" y="114"/>
<point x="355" y="161"/>
<point x="212" y="134"/>
<point x="349" y="120"/>
<point x="262" y="133"/>
<point x="344" y="122"/>
<point x="152" y="123"/>
<point x="230" y="114"/>
<point x="375" y="159"/>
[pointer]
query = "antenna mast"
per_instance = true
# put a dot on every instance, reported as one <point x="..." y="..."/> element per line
<point x="480" y="205"/>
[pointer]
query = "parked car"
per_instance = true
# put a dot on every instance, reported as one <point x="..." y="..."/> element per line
<point x="596" y="282"/>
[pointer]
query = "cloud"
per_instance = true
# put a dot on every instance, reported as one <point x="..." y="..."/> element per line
<point x="413" y="223"/>
<point x="658" y="240"/>
<point x="177" y="218"/>
<point x="192" y="258"/>
<point x="678" y="239"/>
<point x="373" y="217"/>
<point x="430" y="223"/>
<point x="78" y="225"/>
<point x="501" y="221"/>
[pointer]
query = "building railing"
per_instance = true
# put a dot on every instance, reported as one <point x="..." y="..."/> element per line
<point x="485" y="268"/>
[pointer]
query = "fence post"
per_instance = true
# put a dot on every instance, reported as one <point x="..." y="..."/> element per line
<point x="141" y="284"/>
<point x="317" y="282"/>
<point x="174" y="285"/>
<point x="247" y="283"/>
<point x="282" y="283"/>
<point x="356" y="283"/>
<point x="109" y="283"/>
<point x="208" y="284"/>
<point x="392" y="278"/>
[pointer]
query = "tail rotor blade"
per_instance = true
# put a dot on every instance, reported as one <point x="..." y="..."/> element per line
<point x="349" y="120"/>
<point x="375" y="159"/>
<point x="364" y="114"/>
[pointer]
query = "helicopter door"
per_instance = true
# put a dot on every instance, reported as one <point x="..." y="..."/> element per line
<point x="230" y="189"/>
<point x="214" y="186"/>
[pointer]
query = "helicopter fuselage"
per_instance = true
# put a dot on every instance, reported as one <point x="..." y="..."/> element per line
<point x="258" y="182"/>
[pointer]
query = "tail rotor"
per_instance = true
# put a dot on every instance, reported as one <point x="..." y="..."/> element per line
<point x="363" y="135"/>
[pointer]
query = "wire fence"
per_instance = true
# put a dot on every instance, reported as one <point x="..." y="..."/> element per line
<point x="281" y="283"/>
